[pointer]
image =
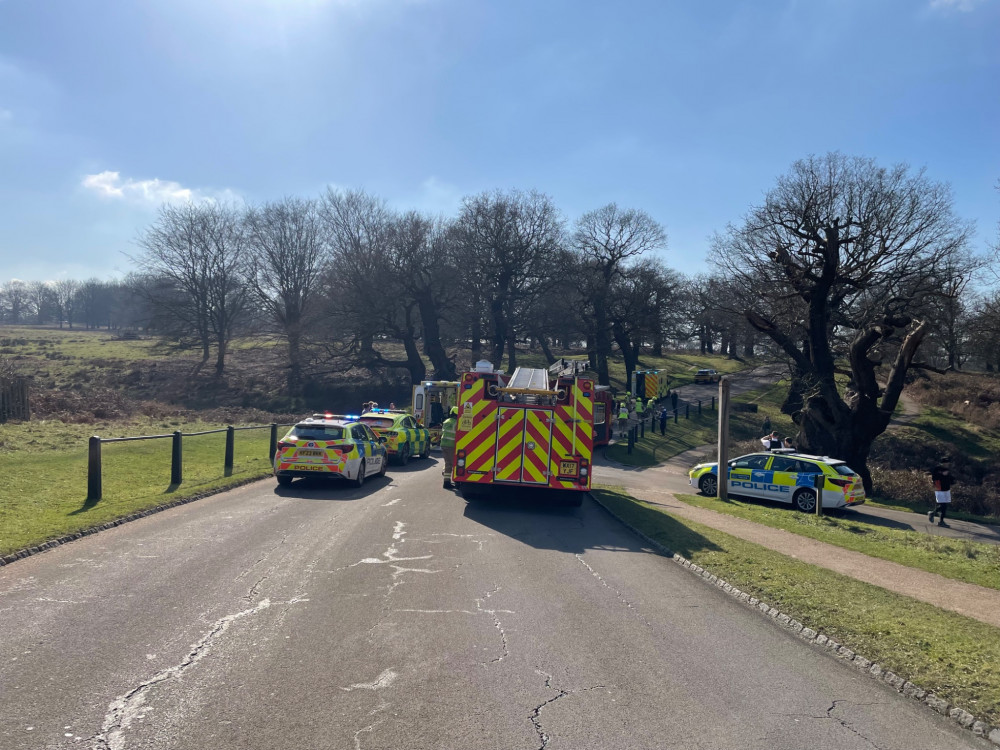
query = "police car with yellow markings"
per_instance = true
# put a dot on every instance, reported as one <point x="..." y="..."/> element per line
<point x="785" y="476"/>
<point x="404" y="437"/>
<point x="331" y="447"/>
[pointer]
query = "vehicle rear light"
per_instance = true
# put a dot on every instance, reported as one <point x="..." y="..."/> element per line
<point x="282" y="445"/>
<point x="460" y="462"/>
<point x="584" y="469"/>
<point x="841" y="482"/>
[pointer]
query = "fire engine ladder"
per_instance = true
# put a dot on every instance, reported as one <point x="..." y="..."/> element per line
<point x="527" y="384"/>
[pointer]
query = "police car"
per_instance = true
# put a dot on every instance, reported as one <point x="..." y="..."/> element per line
<point x="404" y="437"/>
<point x="332" y="447"/>
<point x="785" y="476"/>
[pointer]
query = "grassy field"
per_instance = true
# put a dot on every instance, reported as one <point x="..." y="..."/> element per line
<point x="45" y="466"/>
<point x="950" y="655"/>
<point x="962" y="560"/>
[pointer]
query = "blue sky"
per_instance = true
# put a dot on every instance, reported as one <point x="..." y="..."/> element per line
<point x="688" y="110"/>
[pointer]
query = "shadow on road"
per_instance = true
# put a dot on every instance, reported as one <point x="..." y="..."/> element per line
<point x="541" y="519"/>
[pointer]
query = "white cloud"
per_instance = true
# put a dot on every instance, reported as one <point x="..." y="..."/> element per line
<point x="110" y="185"/>
<point x="6" y="115"/>
<point x="963" y="6"/>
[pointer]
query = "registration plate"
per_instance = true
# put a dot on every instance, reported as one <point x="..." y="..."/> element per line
<point x="310" y="454"/>
<point x="568" y="468"/>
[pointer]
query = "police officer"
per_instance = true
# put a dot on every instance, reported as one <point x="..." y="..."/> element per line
<point x="448" y="444"/>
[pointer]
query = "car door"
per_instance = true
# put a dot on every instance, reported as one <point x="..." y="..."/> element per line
<point x="747" y="475"/>
<point x="785" y="477"/>
<point x="374" y="454"/>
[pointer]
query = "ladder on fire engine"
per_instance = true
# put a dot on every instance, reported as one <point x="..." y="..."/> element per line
<point x="527" y="384"/>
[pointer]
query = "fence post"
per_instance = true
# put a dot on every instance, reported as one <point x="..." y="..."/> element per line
<point x="631" y="439"/>
<point x="676" y="412"/>
<point x="642" y="427"/>
<point x="94" y="489"/>
<point x="687" y="411"/>
<point x="713" y="403"/>
<point x="274" y="442"/>
<point x="230" y="440"/>
<point x="176" y="459"/>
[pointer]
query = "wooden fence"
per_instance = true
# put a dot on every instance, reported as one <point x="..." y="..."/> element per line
<point x="14" y="399"/>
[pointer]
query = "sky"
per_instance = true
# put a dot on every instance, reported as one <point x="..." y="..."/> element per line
<point x="687" y="110"/>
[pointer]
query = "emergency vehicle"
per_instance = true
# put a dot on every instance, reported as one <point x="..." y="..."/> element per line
<point x="604" y="416"/>
<point x="404" y="437"/>
<point x="432" y="400"/>
<point x="524" y="430"/>
<point x="785" y="476"/>
<point x="650" y="384"/>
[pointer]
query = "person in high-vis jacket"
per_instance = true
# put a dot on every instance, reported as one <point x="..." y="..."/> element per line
<point x="448" y="444"/>
<point x="622" y="419"/>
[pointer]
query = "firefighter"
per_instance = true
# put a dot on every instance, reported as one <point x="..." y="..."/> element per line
<point x="448" y="445"/>
<point x="639" y="408"/>
<point x="622" y="419"/>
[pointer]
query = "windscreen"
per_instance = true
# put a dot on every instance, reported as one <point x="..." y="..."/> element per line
<point x="316" y="432"/>
<point x="378" y="423"/>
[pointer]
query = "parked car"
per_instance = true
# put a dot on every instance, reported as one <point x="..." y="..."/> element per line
<point x="403" y="436"/>
<point x="707" y="376"/>
<point x="785" y="476"/>
<point x="330" y="447"/>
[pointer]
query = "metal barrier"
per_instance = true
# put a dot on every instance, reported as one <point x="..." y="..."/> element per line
<point x="94" y="480"/>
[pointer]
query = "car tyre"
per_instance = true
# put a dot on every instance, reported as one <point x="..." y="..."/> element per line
<point x="709" y="485"/>
<point x="805" y="500"/>
<point x="404" y="455"/>
<point x="575" y="499"/>
<point x="426" y="452"/>
<point x="385" y="464"/>
<point x="284" y="480"/>
<point x="359" y="480"/>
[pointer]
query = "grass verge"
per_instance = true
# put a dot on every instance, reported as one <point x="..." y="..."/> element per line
<point x="942" y="652"/>
<point x="44" y="495"/>
<point x="959" y="559"/>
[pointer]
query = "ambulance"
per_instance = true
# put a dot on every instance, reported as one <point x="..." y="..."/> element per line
<point x="432" y="400"/>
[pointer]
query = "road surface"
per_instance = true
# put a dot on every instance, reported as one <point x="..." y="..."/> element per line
<point x="399" y="616"/>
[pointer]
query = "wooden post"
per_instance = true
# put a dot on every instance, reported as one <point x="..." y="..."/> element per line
<point x="274" y="443"/>
<point x="94" y="489"/>
<point x="177" y="459"/>
<point x="724" y="438"/>
<point x="230" y="442"/>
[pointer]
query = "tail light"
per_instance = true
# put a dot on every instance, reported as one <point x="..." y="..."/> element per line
<point x="282" y="445"/>
<point x="584" y="470"/>
<point x="460" y="463"/>
<point x="841" y="482"/>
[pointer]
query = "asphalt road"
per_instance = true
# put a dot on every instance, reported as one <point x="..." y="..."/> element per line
<point x="399" y="616"/>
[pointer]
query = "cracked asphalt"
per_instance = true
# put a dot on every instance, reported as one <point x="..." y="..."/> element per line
<point x="399" y="616"/>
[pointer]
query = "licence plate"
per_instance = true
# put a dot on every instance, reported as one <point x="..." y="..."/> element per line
<point x="310" y="454"/>
<point x="568" y="468"/>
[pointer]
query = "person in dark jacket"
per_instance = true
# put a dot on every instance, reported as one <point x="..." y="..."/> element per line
<point x="663" y="420"/>
<point x="942" y="478"/>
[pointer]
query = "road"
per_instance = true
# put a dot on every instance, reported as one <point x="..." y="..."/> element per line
<point x="398" y="616"/>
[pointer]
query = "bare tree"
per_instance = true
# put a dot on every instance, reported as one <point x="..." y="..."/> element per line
<point x="511" y="245"/>
<point x="841" y="251"/>
<point x="65" y="292"/>
<point x="15" y="302"/>
<point x="608" y="241"/>
<point x="288" y="257"/>
<point x="196" y="255"/>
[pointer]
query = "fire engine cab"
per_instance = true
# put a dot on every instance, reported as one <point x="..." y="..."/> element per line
<point x="524" y="430"/>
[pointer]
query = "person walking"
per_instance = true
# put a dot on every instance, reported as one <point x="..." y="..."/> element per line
<point x="673" y="401"/>
<point x="942" y="479"/>
<point x="622" y="419"/>
<point x="448" y="445"/>
<point x="663" y="420"/>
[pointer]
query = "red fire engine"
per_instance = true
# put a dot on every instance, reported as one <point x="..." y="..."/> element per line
<point x="524" y="430"/>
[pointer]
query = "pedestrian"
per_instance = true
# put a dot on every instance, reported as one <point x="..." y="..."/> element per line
<point x="766" y="427"/>
<point x="942" y="479"/>
<point x="622" y="420"/>
<point x="673" y="401"/>
<point x="771" y="441"/>
<point x="663" y="420"/>
<point x="392" y="405"/>
<point x="788" y="443"/>
<point x="448" y="445"/>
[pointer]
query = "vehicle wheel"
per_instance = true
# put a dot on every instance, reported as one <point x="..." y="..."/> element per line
<point x="709" y="485"/>
<point x="404" y="455"/>
<point x="385" y="464"/>
<point x="575" y="499"/>
<point x="284" y="480"/>
<point x="805" y="500"/>
<point x="359" y="480"/>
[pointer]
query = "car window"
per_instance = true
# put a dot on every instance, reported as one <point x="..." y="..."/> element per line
<point x="752" y="462"/>
<point x="379" y="423"/>
<point x="358" y="432"/>
<point x="784" y="463"/>
<point x="369" y="434"/>
<point x="844" y="469"/>
<point x="316" y="432"/>
<point x="408" y="423"/>
<point x="805" y="467"/>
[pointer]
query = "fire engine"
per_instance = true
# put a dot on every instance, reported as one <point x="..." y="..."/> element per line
<point x="524" y="430"/>
<point x="604" y="407"/>
<point x="432" y="400"/>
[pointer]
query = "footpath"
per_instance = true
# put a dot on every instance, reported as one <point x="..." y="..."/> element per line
<point x="659" y="485"/>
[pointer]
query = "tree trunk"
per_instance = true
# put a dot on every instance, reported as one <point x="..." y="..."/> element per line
<point x="444" y="368"/>
<point x="294" y="381"/>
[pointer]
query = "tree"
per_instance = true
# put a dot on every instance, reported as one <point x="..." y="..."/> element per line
<point x="65" y="292"/>
<point x="607" y="241"/>
<point x="510" y="250"/>
<point x="194" y="256"/>
<point x="287" y="259"/>
<point x="842" y="252"/>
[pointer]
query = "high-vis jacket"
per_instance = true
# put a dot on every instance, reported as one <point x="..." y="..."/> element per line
<point x="448" y="432"/>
